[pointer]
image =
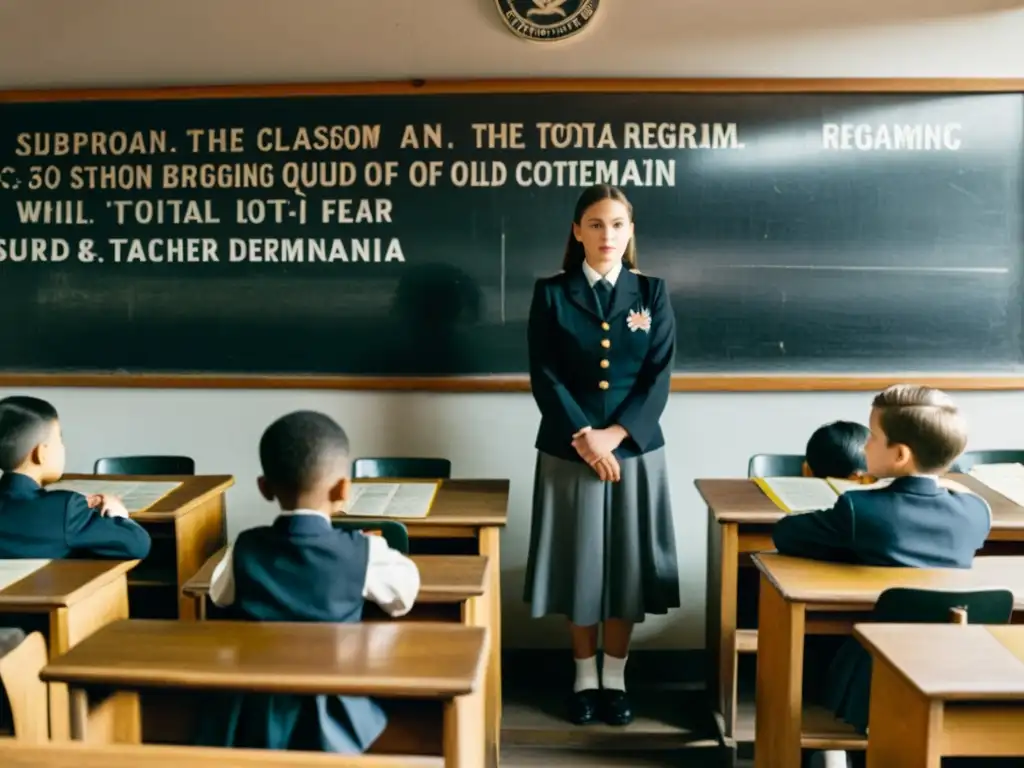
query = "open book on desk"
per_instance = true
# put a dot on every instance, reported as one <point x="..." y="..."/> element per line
<point x="406" y="499"/>
<point x="807" y="494"/>
<point x="1005" y="479"/>
<point x="136" y="495"/>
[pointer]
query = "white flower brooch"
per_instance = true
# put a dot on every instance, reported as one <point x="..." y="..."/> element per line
<point x="639" y="320"/>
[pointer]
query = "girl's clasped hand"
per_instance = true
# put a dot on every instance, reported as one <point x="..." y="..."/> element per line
<point x="595" y="447"/>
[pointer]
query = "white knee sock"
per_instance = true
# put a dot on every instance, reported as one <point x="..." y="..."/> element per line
<point x="832" y="758"/>
<point x="586" y="674"/>
<point x="613" y="673"/>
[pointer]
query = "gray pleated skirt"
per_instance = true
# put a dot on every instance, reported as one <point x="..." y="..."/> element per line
<point x="602" y="550"/>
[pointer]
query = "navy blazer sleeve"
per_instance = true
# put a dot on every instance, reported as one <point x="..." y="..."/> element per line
<point x="827" y="534"/>
<point x="86" y="531"/>
<point x="642" y="408"/>
<point x="552" y="396"/>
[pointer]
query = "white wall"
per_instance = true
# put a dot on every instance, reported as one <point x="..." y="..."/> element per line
<point x="54" y="43"/>
<point x="174" y="42"/>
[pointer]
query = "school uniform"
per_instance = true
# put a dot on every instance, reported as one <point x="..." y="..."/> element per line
<point x="53" y="525"/>
<point x="601" y="353"/>
<point x="301" y="568"/>
<point x="914" y="523"/>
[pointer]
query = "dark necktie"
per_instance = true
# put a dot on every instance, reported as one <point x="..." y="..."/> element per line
<point x="603" y="289"/>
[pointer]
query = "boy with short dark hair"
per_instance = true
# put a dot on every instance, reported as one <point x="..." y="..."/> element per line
<point x="301" y="568"/>
<point x="836" y="450"/>
<point x="36" y="523"/>
<point x="916" y="433"/>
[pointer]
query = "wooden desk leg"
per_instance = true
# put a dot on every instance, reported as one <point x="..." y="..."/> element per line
<point x="723" y="564"/>
<point x="904" y="727"/>
<point x="79" y="714"/>
<point x="463" y="744"/>
<point x="118" y="719"/>
<point x="476" y="612"/>
<point x="199" y="608"/>
<point x="490" y="545"/>
<point x="60" y="700"/>
<point x="780" y="673"/>
<point x="199" y="535"/>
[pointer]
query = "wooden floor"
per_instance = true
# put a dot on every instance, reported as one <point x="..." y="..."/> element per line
<point x="526" y="757"/>
<point x="672" y="728"/>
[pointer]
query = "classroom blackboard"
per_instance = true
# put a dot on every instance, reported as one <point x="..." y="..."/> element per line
<point x="399" y="234"/>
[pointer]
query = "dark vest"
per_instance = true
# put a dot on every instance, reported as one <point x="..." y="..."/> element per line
<point x="298" y="569"/>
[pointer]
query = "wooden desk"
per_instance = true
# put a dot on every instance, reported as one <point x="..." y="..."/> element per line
<point x="75" y="755"/>
<point x="445" y="580"/>
<point x="452" y="588"/>
<point x="68" y="600"/>
<point x="944" y="691"/>
<point x="740" y="520"/>
<point x="187" y="526"/>
<point x="440" y="664"/>
<point x="466" y="518"/>
<point x="799" y="597"/>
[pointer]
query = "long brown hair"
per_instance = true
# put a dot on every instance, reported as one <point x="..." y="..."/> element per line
<point x="574" y="253"/>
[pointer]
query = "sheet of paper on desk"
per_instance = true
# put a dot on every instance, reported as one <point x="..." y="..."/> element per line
<point x="137" y="495"/>
<point x="398" y="500"/>
<point x="1005" y="479"/>
<point x="798" y="494"/>
<point x="12" y="571"/>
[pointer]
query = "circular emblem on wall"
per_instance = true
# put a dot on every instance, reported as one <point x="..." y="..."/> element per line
<point x="546" y="20"/>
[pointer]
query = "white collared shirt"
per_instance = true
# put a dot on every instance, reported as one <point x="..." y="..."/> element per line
<point x="392" y="579"/>
<point x="593" y="275"/>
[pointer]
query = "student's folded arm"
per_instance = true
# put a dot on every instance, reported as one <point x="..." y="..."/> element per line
<point x="392" y="579"/>
<point x="222" y="582"/>
<point x="87" y="531"/>
<point x="552" y="396"/>
<point x="827" y="534"/>
<point x="641" y="410"/>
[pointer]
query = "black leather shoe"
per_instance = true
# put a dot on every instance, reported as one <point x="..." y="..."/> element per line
<point x="583" y="706"/>
<point x="615" y="707"/>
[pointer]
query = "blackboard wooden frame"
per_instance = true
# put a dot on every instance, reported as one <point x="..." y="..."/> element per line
<point x="520" y="383"/>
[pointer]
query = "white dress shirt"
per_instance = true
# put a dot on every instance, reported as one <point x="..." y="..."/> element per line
<point x="593" y="275"/>
<point x="392" y="579"/>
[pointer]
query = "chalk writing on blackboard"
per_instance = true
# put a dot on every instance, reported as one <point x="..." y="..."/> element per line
<point x="402" y="234"/>
<point x="151" y="179"/>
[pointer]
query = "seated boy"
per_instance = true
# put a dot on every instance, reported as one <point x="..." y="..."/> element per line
<point x="300" y="568"/>
<point x="915" y="435"/>
<point x="837" y="450"/>
<point x="36" y="523"/>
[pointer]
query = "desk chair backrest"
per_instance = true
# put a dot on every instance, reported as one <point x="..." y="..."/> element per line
<point x="999" y="456"/>
<point x="145" y="465"/>
<point x="394" y="532"/>
<point x="21" y="660"/>
<point x="902" y="605"/>
<point x="775" y="465"/>
<point x="394" y="466"/>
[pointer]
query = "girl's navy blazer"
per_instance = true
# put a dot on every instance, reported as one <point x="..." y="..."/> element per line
<point x="591" y="370"/>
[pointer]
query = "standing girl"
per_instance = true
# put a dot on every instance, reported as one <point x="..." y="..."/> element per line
<point x="602" y="545"/>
